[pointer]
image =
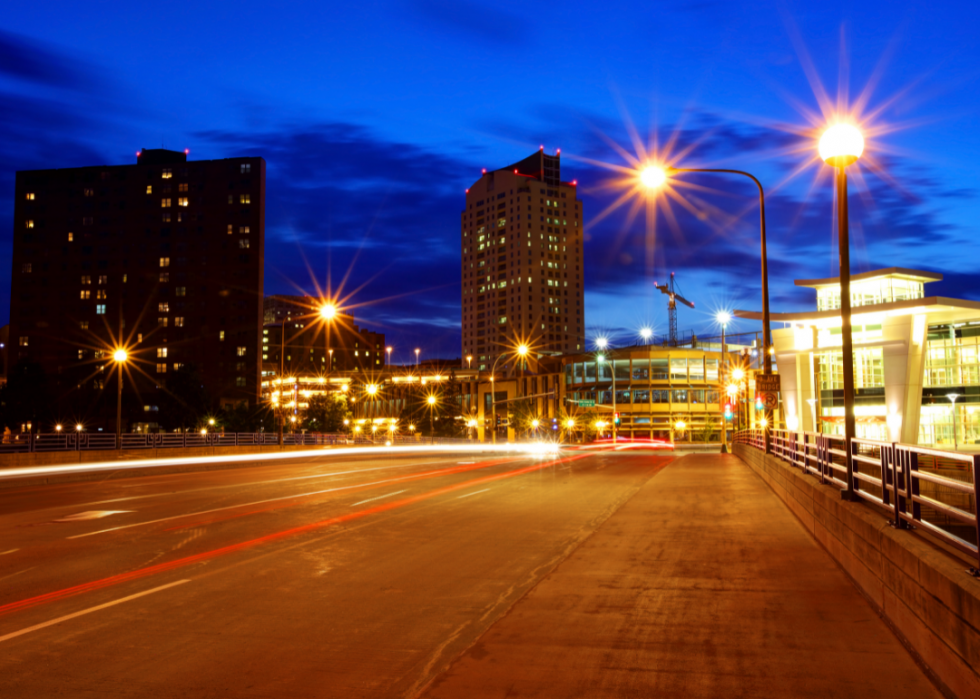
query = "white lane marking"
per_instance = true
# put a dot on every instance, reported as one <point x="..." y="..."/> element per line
<point x="277" y="480"/>
<point x="91" y="514"/>
<point x="380" y="497"/>
<point x="235" y="507"/>
<point x="7" y="577"/>
<point x="60" y="619"/>
<point x="476" y="493"/>
<point x="465" y="462"/>
<point x="10" y="551"/>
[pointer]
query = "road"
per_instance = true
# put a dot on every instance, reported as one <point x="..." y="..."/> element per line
<point x="308" y="577"/>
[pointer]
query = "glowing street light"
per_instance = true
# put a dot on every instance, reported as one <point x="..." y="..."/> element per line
<point x="388" y="350"/>
<point x="120" y="356"/>
<point x="839" y="146"/>
<point x="328" y="311"/>
<point x="57" y="428"/>
<point x="79" y="427"/>
<point x="601" y="342"/>
<point x="653" y="176"/>
<point x="417" y="350"/>
<point x="738" y="374"/>
<point x="646" y="334"/>
<point x="469" y="361"/>
<point x="431" y="400"/>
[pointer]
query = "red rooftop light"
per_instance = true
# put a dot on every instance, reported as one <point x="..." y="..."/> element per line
<point x="574" y="183"/>
<point x="484" y="171"/>
<point x="186" y="151"/>
<point x="540" y="147"/>
<point x="559" y="151"/>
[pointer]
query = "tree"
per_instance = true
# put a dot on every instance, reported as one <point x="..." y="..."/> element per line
<point x="25" y="397"/>
<point x="326" y="413"/>
<point x="185" y="401"/>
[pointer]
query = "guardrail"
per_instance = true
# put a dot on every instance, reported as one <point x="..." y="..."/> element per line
<point x="88" y="441"/>
<point x="917" y="486"/>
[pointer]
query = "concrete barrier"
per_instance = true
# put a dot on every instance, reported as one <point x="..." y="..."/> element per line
<point x="921" y="590"/>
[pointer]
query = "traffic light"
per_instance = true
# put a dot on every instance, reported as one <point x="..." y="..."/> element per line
<point x="616" y="418"/>
<point x="758" y="402"/>
<point x="728" y="411"/>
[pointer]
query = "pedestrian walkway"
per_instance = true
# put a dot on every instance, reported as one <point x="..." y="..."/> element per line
<point x="702" y="585"/>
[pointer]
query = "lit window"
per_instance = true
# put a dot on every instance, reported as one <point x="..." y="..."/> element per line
<point x="83" y="324"/>
<point x="231" y="200"/>
<point x="100" y="294"/>
<point x="103" y="279"/>
<point x="125" y="278"/>
<point x="100" y="309"/>
<point x="241" y="351"/>
<point x="23" y="340"/>
<point x="245" y="199"/>
<point x="166" y="174"/>
<point x="246" y="168"/>
<point x="244" y="230"/>
<point x="162" y="321"/>
<point x="149" y="189"/>
<point x="161" y="351"/>
<point x="221" y="335"/>
<point x="161" y="368"/>
<point x="242" y="244"/>
<point x="81" y="354"/>
<point x="71" y="237"/>
<point x="166" y="217"/>
<point x="163" y="307"/>
<point x="139" y="338"/>
<point x="179" y="322"/>
<point x="86" y="279"/>
<point x="182" y="187"/>
<point x="26" y="268"/>
<point x="89" y="192"/>
<point x="30" y="224"/>
<point x="164" y="261"/>
<point x="231" y="228"/>
<point x="30" y="196"/>
<point x="84" y="294"/>
<point x="240" y="381"/>
<point x="164" y="203"/>
<point x="177" y="366"/>
<point x="182" y="201"/>
<point x="164" y="277"/>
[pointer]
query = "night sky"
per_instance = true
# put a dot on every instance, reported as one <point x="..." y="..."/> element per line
<point x="374" y="117"/>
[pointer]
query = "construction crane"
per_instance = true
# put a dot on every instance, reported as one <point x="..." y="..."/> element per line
<point x="673" y="297"/>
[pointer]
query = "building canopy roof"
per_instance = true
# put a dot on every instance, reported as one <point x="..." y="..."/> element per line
<point x="915" y="275"/>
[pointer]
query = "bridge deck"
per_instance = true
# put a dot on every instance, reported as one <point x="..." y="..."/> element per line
<point x="702" y="585"/>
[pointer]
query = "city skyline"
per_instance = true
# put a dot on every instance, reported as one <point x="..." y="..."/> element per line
<point x="352" y="156"/>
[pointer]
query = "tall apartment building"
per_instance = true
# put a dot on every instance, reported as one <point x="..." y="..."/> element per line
<point x="164" y="256"/>
<point x="522" y="264"/>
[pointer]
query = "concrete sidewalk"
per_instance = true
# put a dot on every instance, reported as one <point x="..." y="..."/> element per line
<point x="702" y="585"/>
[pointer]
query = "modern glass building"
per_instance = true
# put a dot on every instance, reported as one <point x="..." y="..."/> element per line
<point x="916" y="360"/>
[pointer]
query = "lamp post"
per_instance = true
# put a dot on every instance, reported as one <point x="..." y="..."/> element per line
<point x="388" y="350"/>
<point x="432" y="407"/>
<point x="493" y="395"/>
<point x="119" y="356"/>
<point x="841" y="145"/>
<point x="952" y="400"/>
<point x="417" y="350"/>
<point x="469" y="361"/>
<point x="603" y="343"/>
<point x="646" y="334"/>
<point x="738" y="374"/>
<point x="654" y="176"/>
<point x="723" y="317"/>
<point x="327" y="313"/>
<point x="522" y="351"/>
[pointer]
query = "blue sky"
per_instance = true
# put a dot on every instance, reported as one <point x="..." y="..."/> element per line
<point x="374" y="117"/>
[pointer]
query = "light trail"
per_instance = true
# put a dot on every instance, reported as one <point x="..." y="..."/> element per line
<point x="414" y="476"/>
<point x="472" y="494"/>
<point x="380" y="497"/>
<point x="534" y="448"/>
<point x="140" y="573"/>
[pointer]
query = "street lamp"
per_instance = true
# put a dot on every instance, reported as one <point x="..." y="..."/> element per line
<point x="493" y="395"/>
<point x="600" y="358"/>
<point x="432" y="407"/>
<point x="469" y="361"/>
<point x="952" y="400"/>
<point x="119" y="356"/>
<point x="388" y="350"/>
<point x="841" y="145"/>
<point x="417" y="350"/>
<point x="723" y="318"/>
<point x="646" y="334"/>
<point x="569" y="425"/>
<point x="328" y="312"/>
<point x="653" y="179"/>
<point x="372" y="390"/>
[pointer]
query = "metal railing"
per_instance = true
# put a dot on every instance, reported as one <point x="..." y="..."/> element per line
<point x="917" y="486"/>
<point x="88" y="441"/>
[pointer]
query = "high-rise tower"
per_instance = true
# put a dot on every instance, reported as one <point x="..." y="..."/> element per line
<point x="522" y="279"/>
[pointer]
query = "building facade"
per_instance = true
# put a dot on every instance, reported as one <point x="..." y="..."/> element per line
<point x="916" y="360"/>
<point x="522" y="262"/>
<point x="163" y="257"/>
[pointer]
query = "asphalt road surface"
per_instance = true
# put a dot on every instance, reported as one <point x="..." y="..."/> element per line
<point x="309" y="578"/>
